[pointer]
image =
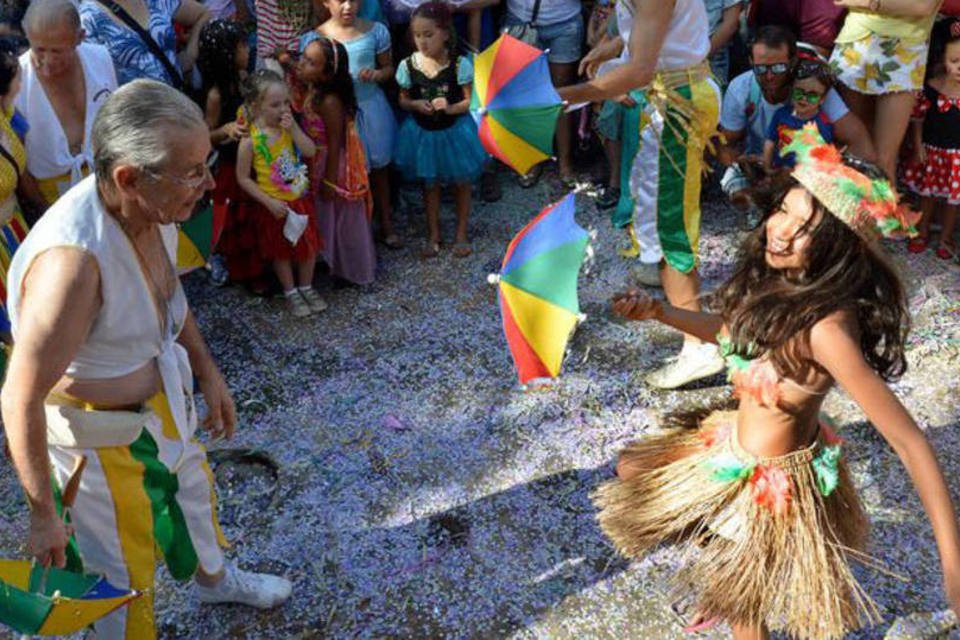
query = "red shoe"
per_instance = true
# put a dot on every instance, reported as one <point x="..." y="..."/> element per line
<point x="947" y="252"/>
<point x="917" y="245"/>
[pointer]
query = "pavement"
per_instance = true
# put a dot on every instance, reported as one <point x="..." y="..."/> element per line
<point x="388" y="463"/>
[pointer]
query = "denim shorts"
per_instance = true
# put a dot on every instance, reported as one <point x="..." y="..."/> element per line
<point x="563" y="39"/>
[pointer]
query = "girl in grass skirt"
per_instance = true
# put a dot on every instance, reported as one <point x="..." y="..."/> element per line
<point x="760" y="499"/>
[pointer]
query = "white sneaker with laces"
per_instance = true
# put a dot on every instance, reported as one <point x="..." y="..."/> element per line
<point x="314" y="300"/>
<point x="260" y="590"/>
<point x="691" y="365"/>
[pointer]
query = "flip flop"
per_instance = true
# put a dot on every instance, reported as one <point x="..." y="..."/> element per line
<point x="462" y="249"/>
<point x="392" y="241"/>
<point x="430" y="250"/>
<point x="531" y="178"/>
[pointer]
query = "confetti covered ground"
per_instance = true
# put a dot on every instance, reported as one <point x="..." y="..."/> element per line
<point x="417" y="493"/>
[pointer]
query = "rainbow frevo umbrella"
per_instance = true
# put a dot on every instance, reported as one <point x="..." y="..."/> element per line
<point x="514" y="103"/>
<point x="198" y="236"/>
<point x="538" y="290"/>
<point x="69" y="602"/>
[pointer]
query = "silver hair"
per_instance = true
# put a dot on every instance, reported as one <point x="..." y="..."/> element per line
<point x="45" y="14"/>
<point x="134" y="125"/>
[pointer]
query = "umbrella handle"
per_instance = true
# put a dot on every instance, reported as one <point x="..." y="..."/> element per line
<point x="72" y="487"/>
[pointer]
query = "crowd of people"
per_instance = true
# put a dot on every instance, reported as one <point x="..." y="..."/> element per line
<point x="298" y="120"/>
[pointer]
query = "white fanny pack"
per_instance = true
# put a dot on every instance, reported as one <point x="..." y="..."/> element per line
<point x="76" y="428"/>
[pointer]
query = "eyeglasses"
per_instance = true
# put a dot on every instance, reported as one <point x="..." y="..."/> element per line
<point x="810" y="97"/>
<point x="777" y="68"/>
<point x="196" y="178"/>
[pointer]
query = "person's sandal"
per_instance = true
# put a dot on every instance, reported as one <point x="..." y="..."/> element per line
<point x="462" y="249"/>
<point x="430" y="250"/>
<point x="568" y="182"/>
<point x="530" y="178"/>
<point x="947" y="251"/>
<point x="489" y="187"/>
<point x="917" y="245"/>
<point x="608" y="197"/>
<point x="392" y="241"/>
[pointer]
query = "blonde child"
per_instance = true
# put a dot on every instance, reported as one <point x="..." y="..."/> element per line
<point x="270" y="170"/>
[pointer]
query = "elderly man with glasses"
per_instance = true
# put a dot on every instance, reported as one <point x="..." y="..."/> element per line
<point x="753" y="97"/>
<point x="106" y="350"/>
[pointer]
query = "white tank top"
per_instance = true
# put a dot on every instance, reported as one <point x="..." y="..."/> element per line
<point x="688" y="37"/>
<point x="127" y="332"/>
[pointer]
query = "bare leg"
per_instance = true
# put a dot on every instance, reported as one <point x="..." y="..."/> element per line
<point x="305" y="272"/>
<point x="927" y="206"/>
<point x="284" y="271"/>
<point x="431" y="202"/>
<point x="562" y="75"/>
<point x="861" y="104"/>
<point x="750" y="633"/>
<point x="682" y="290"/>
<point x="462" y="194"/>
<point x="890" y="125"/>
<point x="474" y="27"/>
<point x="949" y="220"/>
<point x="612" y="148"/>
<point x="380" y="183"/>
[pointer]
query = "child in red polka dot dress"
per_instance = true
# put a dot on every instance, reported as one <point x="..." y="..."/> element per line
<point x="935" y="174"/>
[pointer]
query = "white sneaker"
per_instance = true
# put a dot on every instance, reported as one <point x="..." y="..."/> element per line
<point x="260" y="590"/>
<point x="314" y="300"/>
<point x="646" y="274"/>
<point x="693" y="364"/>
<point x="296" y="305"/>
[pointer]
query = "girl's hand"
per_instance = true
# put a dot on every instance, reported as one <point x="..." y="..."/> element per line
<point x="277" y="209"/>
<point x="235" y="130"/>
<point x="920" y="155"/>
<point x="367" y="75"/>
<point x="423" y="106"/>
<point x="286" y="120"/>
<point x="327" y="193"/>
<point x="634" y="304"/>
<point x="439" y="104"/>
<point x="852" y="4"/>
<point x="591" y="62"/>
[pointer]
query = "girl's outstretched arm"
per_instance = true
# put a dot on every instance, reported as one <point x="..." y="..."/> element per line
<point x="836" y="347"/>
<point x="634" y="304"/>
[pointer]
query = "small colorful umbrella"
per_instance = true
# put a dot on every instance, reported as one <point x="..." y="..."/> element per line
<point x="68" y="603"/>
<point x="514" y="103"/>
<point x="538" y="289"/>
<point x="199" y="235"/>
<point x="46" y="601"/>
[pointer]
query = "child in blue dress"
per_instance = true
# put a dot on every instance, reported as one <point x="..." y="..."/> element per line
<point x="438" y="143"/>
<point x="810" y="86"/>
<point x="368" y="48"/>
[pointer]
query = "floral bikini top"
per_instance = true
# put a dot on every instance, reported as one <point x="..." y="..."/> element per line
<point x="754" y="377"/>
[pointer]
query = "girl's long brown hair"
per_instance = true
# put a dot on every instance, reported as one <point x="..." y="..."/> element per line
<point x="769" y="313"/>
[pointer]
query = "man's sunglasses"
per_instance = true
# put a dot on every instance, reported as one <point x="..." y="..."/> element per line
<point x="810" y="97"/>
<point x="777" y="68"/>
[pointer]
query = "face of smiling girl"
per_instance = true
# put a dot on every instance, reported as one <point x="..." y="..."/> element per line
<point x="790" y="231"/>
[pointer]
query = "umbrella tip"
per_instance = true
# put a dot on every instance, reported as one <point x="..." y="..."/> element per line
<point x="581" y="318"/>
<point x="481" y="111"/>
<point x="493" y="278"/>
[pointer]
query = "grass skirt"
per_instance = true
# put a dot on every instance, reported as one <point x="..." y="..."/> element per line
<point x="764" y="540"/>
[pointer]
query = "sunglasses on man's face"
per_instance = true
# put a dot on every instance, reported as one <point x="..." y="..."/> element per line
<point x="810" y="97"/>
<point x="777" y="68"/>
